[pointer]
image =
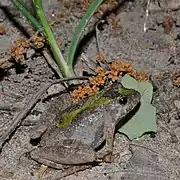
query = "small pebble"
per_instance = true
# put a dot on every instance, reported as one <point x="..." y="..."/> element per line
<point x="177" y="104"/>
<point x="30" y="53"/>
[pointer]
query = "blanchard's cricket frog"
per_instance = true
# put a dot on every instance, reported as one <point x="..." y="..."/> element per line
<point x="83" y="132"/>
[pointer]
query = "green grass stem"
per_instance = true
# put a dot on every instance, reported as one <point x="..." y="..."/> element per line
<point x="80" y="30"/>
<point x="66" y="70"/>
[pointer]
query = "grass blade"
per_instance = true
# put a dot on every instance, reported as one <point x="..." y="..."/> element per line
<point x="63" y="66"/>
<point x="20" y="6"/>
<point x="80" y="29"/>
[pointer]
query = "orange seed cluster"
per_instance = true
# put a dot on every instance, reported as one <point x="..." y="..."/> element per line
<point x="108" y="4"/>
<point x="91" y="87"/>
<point x="116" y="70"/>
<point x="38" y="41"/>
<point x="176" y="78"/>
<point x="19" y="48"/>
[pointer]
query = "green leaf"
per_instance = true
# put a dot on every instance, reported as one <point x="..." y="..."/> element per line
<point x="80" y="30"/>
<point x="144" y="120"/>
<point x="145" y="88"/>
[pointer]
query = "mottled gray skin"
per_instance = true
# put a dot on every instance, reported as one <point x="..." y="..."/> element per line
<point x="79" y="142"/>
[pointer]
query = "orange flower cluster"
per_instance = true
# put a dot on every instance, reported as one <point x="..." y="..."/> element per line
<point x="19" y="49"/>
<point x="91" y="87"/>
<point x="38" y="41"/>
<point x="139" y="76"/>
<point x="99" y="57"/>
<point x="84" y="4"/>
<point x="98" y="80"/>
<point x="81" y="93"/>
<point x="116" y="70"/>
<point x="176" y="78"/>
<point x="21" y="46"/>
<point x="108" y="4"/>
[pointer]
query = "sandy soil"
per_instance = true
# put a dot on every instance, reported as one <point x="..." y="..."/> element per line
<point x="153" y="51"/>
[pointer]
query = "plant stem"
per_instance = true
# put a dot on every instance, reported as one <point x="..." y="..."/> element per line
<point x="66" y="70"/>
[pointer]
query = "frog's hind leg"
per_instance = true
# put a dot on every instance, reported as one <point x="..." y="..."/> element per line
<point x="66" y="152"/>
<point x="106" y="152"/>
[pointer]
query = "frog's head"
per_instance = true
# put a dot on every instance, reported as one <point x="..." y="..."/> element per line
<point x="123" y="102"/>
<point x="118" y="100"/>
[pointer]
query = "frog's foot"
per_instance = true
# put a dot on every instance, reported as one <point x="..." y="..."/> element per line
<point x="105" y="155"/>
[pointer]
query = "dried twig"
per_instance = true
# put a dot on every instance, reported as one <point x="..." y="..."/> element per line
<point x="146" y="16"/>
<point x="90" y="64"/>
<point x="97" y="36"/>
<point x="52" y="63"/>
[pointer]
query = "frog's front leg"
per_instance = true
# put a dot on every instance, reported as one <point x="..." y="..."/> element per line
<point x="108" y="135"/>
<point x="64" y="152"/>
<point x="41" y="127"/>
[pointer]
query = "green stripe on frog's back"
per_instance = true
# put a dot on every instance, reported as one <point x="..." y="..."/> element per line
<point x="103" y="97"/>
<point x="125" y="92"/>
<point x="92" y="103"/>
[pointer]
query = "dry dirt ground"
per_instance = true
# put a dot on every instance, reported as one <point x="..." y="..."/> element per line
<point x="155" y="157"/>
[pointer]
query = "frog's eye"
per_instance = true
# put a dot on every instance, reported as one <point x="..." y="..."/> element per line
<point x="123" y="100"/>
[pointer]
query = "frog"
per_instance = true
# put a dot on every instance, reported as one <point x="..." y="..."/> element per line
<point x="83" y="133"/>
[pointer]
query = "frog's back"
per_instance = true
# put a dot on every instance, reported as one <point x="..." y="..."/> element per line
<point x="88" y="127"/>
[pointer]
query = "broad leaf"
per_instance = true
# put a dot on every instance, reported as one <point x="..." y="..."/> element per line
<point x="144" y="119"/>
